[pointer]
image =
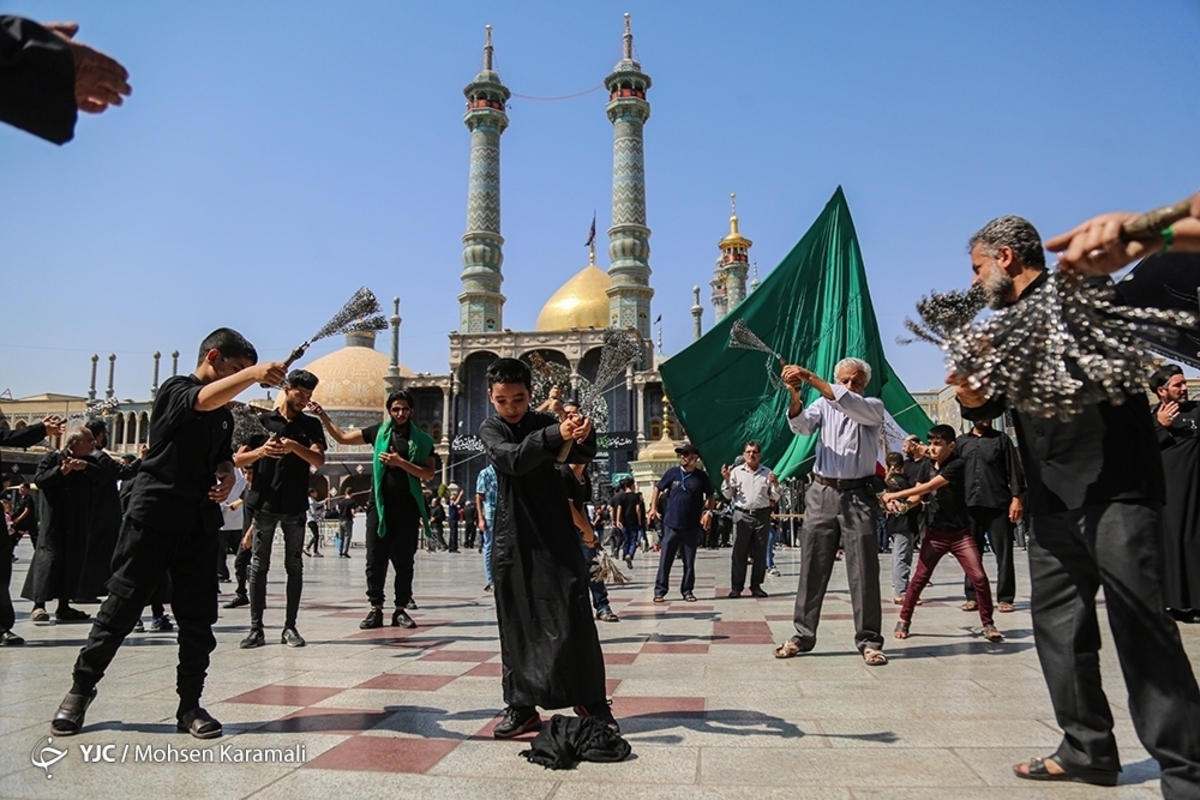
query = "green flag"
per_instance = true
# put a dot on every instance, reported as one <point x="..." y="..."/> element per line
<point x="814" y="309"/>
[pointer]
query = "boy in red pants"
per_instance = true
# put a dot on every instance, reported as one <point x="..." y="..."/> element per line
<point x="948" y="531"/>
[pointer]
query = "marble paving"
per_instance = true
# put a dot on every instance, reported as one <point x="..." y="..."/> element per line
<point x="709" y="712"/>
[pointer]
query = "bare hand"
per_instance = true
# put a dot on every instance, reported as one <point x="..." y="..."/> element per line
<point x="271" y="373"/>
<point x="290" y="445"/>
<point x="584" y="430"/>
<point x="1016" y="510"/>
<point x="223" y="487"/>
<point x="795" y="376"/>
<point x="967" y="397"/>
<point x="725" y="470"/>
<point x="391" y="459"/>
<point x="1167" y="413"/>
<point x="706" y="520"/>
<point x="315" y="409"/>
<point x="142" y="451"/>
<point x="54" y="426"/>
<point x="773" y="478"/>
<point x="99" y="79"/>
<point x="569" y="427"/>
<point x="248" y="538"/>
<point x="1095" y="247"/>
<point x="272" y="448"/>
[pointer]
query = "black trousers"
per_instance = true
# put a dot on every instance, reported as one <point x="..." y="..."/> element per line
<point x="753" y="528"/>
<point x="999" y="531"/>
<point x="1071" y="555"/>
<point x="454" y="536"/>
<point x="398" y="546"/>
<point x="315" y="542"/>
<point x="144" y="557"/>
<point x="8" y="615"/>
<point x="241" y="567"/>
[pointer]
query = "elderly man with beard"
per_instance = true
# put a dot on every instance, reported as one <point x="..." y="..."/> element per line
<point x="66" y="485"/>
<point x="1176" y="421"/>
<point x="1094" y="500"/>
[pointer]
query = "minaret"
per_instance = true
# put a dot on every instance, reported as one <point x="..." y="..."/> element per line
<point x="481" y="306"/>
<point x="697" y="310"/>
<point x="174" y="363"/>
<point x="393" y="377"/>
<point x="629" y="238"/>
<point x="732" y="267"/>
<point x="92" y="386"/>
<point x="112" y="367"/>
<point x="154" y="380"/>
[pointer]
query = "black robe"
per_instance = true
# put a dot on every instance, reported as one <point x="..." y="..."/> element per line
<point x="548" y="642"/>
<point x="106" y="513"/>
<point x="37" y="80"/>
<point x="65" y="513"/>
<point x="1181" y="514"/>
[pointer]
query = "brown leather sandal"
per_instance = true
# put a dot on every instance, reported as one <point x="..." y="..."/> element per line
<point x="789" y="649"/>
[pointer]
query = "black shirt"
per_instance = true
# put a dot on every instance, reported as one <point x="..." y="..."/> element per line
<point x="397" y="484"/>
<point x="918" y="470"/>
<point x="579" y="490"/>
<point x="171" y="489"/>
<point x="345" y="508"/>
<point x="630" y="503"/>
<point x="947" y="508"/>
<point x="29" y="524"/>
<point x="994" y="473"/>
<point x="1105" y="453"/>
<point x="280" y="485"/>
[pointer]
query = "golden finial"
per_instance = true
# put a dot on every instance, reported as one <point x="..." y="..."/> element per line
<point x="733" y="220"/>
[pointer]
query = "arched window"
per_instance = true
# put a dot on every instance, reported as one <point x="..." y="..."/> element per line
<point x="143" y="428"/>
<point x="655" y="429"/>
<point x="118" y="431"/>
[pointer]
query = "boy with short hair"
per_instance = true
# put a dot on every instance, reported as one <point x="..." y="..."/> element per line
<point x="948" y="531"/>
<point x="170" y="528"/>
<point x="549" y="647"/>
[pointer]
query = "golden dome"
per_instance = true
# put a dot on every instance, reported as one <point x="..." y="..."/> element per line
<point x="581" y="302"/>
<point x="735" y="238"/>
<point x="353" y="378"/>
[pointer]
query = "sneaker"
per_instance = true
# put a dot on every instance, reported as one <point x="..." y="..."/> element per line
<point x="238" y="601"/>
<point x="606" y="615"/>
<point x="517" y="720"/>
<point x="292" y="638"/>
<point x="306" y="553"/>
<point x="629" y="561"/>
<point x="601" y="711"/>
<point x="253" y="639"/>
<point x="411" y="605"/>
<point x="139" y="627"/>
<point x="318" y="555"/>
<point x="401" y="619"/>
<point x="487" y="588"/>
<point x="773" y="572"/>
<point x="374" y="619"/>
<point x="161" y="624"/>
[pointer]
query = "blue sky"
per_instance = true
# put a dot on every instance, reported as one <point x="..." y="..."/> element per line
<point x="275" y="156"/>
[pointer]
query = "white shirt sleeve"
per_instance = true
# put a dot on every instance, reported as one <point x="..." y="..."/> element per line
<point x="808" y="420"/>
<point x="863" y="410"/>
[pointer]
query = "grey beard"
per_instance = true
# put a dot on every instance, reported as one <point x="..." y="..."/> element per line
<point x="997" y="289"/>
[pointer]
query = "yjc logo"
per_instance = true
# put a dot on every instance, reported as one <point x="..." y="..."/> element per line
<point x="45" y="755"/>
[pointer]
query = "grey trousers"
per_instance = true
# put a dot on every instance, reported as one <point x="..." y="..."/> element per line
<point x="1071" y="555"/>
<point x="902" y="556"/>
<point x="830" y="514"/>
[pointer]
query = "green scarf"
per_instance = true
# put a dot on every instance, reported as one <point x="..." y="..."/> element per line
<point x="420" y="445"/>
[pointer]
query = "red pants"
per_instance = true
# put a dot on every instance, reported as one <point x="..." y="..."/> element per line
<point x="934" y="545"/>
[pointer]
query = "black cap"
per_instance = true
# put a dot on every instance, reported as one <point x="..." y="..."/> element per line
<point x="687" y="449"/>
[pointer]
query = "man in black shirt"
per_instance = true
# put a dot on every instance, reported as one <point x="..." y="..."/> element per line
<point x="629" y="517"/>
<point x="278" y="497"/>
<point x="948" y="530"/>
<point x="995" y="485"/>
<point x="171" y="528"/>
<point x="403" y="459"/>
<point x="1094" y="499"/>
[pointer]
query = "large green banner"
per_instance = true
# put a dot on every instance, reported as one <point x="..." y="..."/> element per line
<point x="813" y="309"/>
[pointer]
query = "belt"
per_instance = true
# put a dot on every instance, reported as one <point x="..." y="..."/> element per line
<point x="751" y="510"/>
<point x="841" y="484"/>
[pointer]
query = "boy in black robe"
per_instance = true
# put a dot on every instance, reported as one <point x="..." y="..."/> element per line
<point x="171" y="528"/>
<point x="548" y="642"/>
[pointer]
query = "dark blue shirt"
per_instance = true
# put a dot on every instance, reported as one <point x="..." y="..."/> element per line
<point x="686" y="495"/>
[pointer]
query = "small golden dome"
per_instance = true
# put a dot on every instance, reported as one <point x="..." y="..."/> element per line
<point x="581" y="302"/>
<point x="353" y="378"/>
<point x="735" y="238"/>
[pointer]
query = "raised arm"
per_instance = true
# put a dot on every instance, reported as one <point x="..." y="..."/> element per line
<point x="518" y="458"/>
<point x="336" y="433"/>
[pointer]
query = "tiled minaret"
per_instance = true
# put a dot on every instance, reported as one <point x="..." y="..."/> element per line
<point x="629" y="238"/>
<point x="481" y="306"/>
<point x="729" y="283"/>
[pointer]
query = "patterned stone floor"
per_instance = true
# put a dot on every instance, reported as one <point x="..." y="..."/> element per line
<point x="709" y="712"/>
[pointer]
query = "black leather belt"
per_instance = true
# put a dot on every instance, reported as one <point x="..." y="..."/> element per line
<point x="752" y="510"/>
<point x="841" y="484"/>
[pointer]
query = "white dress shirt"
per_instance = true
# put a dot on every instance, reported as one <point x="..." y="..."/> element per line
<point x="847" y="429"/>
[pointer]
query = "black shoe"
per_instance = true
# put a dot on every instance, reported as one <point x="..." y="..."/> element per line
<point x="374" y="619"/>
<point x="139" y="626"/>
<point x="10" y="639"/>
<point x="161" y="624"/>
<point x="292" y="638"/>
<point x="253" y="639"/>
<point x="606" y="615"/>
<point x="411" y="605"/>
<point x="238" y="601"/>
<point x="517" y="720"/>
<point x="402" y="619"/>
<point x="629" y="561"/>
<point x="601" y="711"/>
<point x="68" y="614"/>
<point x="68" y="720"/>
<point x="200" y="724"/>
<point x="758" y="592"/>
<point x="488" y="588"/>
<point x="735" y="593"/>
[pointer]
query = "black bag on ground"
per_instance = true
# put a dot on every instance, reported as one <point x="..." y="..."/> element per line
<point x="566" y="741"/>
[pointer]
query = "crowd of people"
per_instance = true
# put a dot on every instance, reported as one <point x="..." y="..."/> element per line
<point x="1107" y="495"/>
